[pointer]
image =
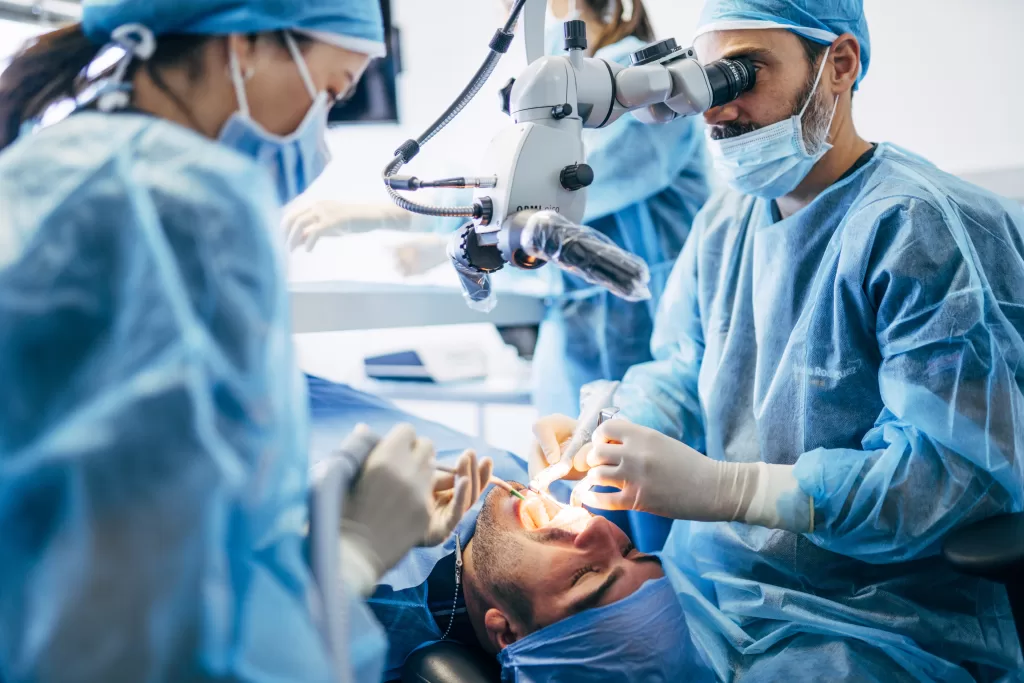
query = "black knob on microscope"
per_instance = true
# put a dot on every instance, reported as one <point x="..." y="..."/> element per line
<point x="656" y="51"/>
<point x="575" y="35"/>
<point x="576" y="177"/>
<point x="561" y="111"/>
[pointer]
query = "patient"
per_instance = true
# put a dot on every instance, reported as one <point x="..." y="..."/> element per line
<point x="530" y="565"/>
<point x="546" y="596"/>
<point x="555" y="595"/>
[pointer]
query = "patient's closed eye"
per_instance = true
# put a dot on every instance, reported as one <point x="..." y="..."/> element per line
<point x="581" y="572"/>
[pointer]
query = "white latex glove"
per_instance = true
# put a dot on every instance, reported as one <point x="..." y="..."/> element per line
<point x="666" y="477"/>
<point x="354" y="451"/>
<point x="552" y="434"/>
<point x="304" y="226"/>
<point x="420" y="253"/>
<point x="454" y="494"/>
<point x="388" y="511"/>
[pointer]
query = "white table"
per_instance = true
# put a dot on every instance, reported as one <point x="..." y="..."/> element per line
<point x="345" y="306"/>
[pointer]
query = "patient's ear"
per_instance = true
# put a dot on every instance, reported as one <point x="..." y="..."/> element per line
<point x="500" y="631"/>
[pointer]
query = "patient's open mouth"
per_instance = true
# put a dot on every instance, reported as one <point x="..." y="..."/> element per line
<point x="539" y="512"/>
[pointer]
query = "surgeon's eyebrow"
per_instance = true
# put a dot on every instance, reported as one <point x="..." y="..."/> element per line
<point x="752" y="53"/>
<point x="594" y="598"/>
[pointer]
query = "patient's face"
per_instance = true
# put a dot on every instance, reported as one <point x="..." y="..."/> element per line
<point x="551" y="572"/>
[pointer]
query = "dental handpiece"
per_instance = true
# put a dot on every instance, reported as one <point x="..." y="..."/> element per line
<point x="584" y="484"/>
<point x="588" y="422"/>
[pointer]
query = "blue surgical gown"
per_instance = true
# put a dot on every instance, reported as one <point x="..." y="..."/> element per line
<point x="873" y="340"/>
<point x="153" y="425"/>
<point x="650" y="181"/>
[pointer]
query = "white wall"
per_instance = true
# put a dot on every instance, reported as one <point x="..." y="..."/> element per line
<point x="945" y="81"/>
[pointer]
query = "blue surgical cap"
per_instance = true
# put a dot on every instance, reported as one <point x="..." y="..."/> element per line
<point x="643" y="637"/>
<point x="819" y="20"/>
<point x="356" y="25"/>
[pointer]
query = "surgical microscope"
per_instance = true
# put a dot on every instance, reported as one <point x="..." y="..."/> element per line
<point x="531" y="192"/>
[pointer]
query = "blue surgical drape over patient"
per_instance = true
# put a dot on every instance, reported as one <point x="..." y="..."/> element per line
<point x="153" y="429"/>
<point x="873" y="340"/>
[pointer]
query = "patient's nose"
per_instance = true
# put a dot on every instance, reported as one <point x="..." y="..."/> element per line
<point x="599" y="534"/>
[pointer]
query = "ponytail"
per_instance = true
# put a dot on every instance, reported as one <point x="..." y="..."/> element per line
<point x="617" y="27"/>
<point x="51" y="69"/>
<point x="44" y="72"/>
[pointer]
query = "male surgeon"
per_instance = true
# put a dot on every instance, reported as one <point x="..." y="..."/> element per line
<point x="837" y="383"/>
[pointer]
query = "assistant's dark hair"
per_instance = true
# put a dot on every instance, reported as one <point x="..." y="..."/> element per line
<point x="51" y="68"/>
<point x="617" y="29"/>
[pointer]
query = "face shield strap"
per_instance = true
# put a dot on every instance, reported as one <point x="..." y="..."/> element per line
<point x="300" y="62"/>
<point x="814" y="91"/>
<point x="817" y="81"/>
<point x="239" y="83"/>
<point x="627" y="11"/>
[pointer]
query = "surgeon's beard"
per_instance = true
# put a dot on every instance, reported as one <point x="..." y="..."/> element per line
<point x="816" y="120"/>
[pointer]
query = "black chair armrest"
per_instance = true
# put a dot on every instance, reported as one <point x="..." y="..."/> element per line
<point x="992" y="549"/>
<point x="450" y="662"/>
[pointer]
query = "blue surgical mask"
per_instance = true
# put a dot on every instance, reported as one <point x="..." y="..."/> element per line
<point x="770" y="162"/>
<point x="554" y="32"/>
<point x="295" y="160"/>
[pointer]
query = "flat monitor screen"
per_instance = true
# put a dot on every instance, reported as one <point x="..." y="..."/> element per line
<point x="376" y="97"/>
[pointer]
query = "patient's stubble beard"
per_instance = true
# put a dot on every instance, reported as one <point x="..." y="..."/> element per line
<point x="497" y="554"/>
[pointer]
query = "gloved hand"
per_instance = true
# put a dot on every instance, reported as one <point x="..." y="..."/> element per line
<point x="388" y="511"/>
<point x="454" y="494"/>
<point x="304" y="226"/>
<point x="555" y="432"/>
<point x="552" y="434"/>
<point x="666" y="477"/>
<point x="354" y="451"/>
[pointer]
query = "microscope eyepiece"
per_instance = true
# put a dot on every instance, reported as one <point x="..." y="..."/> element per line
<point x="730" y="78"/>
